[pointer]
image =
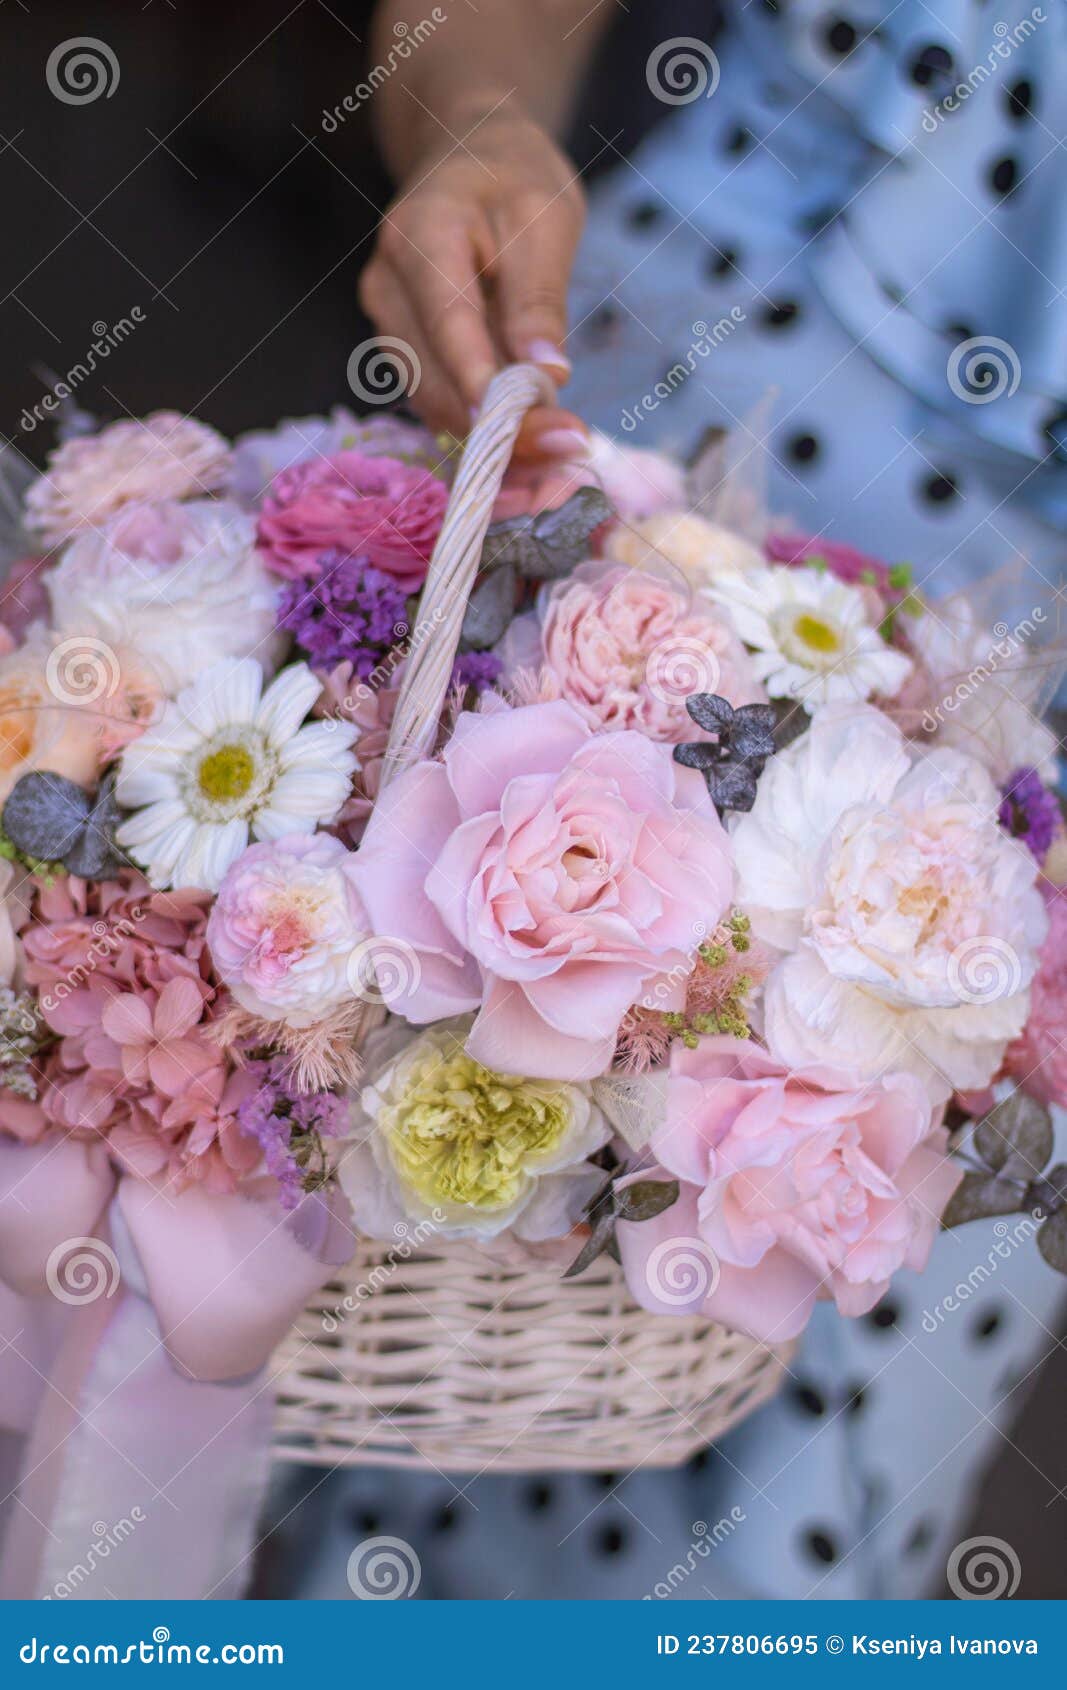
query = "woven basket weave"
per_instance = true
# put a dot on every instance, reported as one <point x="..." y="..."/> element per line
<point x="441" y="1357"/>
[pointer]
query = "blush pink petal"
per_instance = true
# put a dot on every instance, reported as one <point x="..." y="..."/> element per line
<point x="507" y="1037"/>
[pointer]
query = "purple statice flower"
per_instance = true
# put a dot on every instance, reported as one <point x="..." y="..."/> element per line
<point x="290" y="1126"/>
<point x="477" y="669"/>
<point x="351" y="613"/>
<point x="1029" y="811"/>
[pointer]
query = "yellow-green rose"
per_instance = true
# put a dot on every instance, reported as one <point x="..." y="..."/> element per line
<point x="476" y="1151"/>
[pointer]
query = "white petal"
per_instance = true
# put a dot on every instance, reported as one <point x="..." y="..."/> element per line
<point x="286" y="702"/>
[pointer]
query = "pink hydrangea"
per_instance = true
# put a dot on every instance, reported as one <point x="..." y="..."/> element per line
<point x="164" y="456"/>
<point x="627" y="648"/>
<point x="123" y="977"/>
<point x="387" y="511"/>
<point x="1038" y="1058"/>
<point x="545" y="876"/>
<point x="794" y="1186"/>
<point x="285" y="926"/>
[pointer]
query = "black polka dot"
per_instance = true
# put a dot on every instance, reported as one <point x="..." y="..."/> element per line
<point x="808" y="1398"/>
<point x="840" y="35"/>
<point x="1019" y="99"/>
<point x="739" y="139"/>
<point x="803" y="448"/>
<point x="883" y="1317"/>
<point x="446" y="1519"/>
<point x="782" y="315"/>
<point x="366" y="1522"/>
<point x="1003" y="175"/>
<point x="891" y="291"/>
<point x="721" y="261"/>
<point x="816" y="221"/>
<point x="643" y="216"/>
<point x="606" y="1481"/>
<point x="699" y="1461"/>
<point x="855" y="1399"/>
<point x="775" y="7"/>
<point x="820" y="1546"/>
<point x="920" y="1537"/>
<point x="932" y="67"/>
<point x="939" y="489"/>
<point x="611" y="1541"/>
<point x="538" y="1497"/>
<point x="986" y="1325"/>
<point x="1055" y="433"/>
<point x="959" y="331"/>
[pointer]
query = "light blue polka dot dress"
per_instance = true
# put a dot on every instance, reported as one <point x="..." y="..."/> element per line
<point x="873" y="200"/>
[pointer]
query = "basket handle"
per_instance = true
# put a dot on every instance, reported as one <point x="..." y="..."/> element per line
<point x="455" y="560"/>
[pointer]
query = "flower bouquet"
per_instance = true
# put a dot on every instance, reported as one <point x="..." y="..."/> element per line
<point x="606" y="953"/>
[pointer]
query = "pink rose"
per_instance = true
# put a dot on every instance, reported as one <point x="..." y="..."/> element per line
<point x="164" y="456"/>
<point x="795" y="1186"/>
<point x="627" y="648"/>
<point x="545" y="876"/>
<point x="284" y="927"/>
<point x="1038" y="1058"/>
<point x="387" y="511"/>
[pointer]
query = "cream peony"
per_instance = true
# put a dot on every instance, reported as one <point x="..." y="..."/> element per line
<point x="442" y="1139"/>
<point x="181" y="584"/>
<point x="701" y="550"/>
<point x="910" y="921"/>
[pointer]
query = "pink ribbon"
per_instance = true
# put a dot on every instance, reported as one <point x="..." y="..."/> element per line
<point x="131" y="1360"/>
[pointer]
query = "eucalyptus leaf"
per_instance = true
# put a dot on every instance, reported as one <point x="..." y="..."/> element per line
<point x="1016" y="1137"/>
<point x="1052" y="1241"/>
<point x="94" y="855"/>
<point x="548" y="545"/>
<point x="45" y="814"/>
<point x="979" y="1196"/>
<point x="710" y="711"/>
<point x="645" y="1199"/>
<point x="489" y="609"/>
<point x="601" y="1238"/>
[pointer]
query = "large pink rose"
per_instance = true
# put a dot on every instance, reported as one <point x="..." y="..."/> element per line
<point x="387" y="511"/>
<point x="795" y="1186"/>
<point x="545" y="876"/>
<point x="627" y="648"/>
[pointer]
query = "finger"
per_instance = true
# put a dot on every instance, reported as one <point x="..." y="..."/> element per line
<point x="433" y="394"/>
<point x="548" y="431"/>
<point x="532" y="273"/>
<point x="436" y="252"/>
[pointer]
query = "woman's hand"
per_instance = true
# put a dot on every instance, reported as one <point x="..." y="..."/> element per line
<point x="472" y="265"/>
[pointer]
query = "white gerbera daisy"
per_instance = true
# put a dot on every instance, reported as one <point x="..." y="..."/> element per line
<point x="811" y="636"/>
<point x="228" y="760"/>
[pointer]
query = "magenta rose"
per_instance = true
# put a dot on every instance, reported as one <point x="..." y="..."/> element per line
<point x="387" y="511"/>
<point x="547" y="877"/>
<point x="794" y="1186"/>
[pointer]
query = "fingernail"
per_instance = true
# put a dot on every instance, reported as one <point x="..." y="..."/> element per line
<point x="545" y="352"/>
<point x="563" y="443"/>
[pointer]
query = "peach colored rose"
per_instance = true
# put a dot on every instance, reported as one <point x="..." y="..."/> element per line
<point x="701" y="550"/>
<point x="39" y="727"/>
<point x="794" y="1186"/>
<point x="627" y="648"/>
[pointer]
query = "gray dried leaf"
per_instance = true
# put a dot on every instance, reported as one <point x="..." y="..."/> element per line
<point x="1016" y="1137"/>
<point x="552" y="543"/>
<point x="1052" y="1241"/>
<point x="979" y="1196"/>
<point x="645" y="1199"/>
<point x="601" y="1238"/>
<point x="45" y="814"/>
<point x="94" y="855"/>
<point x="490" y="609"/>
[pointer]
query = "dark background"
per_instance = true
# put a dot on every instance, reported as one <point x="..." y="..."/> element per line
<point x="205" y="191"/>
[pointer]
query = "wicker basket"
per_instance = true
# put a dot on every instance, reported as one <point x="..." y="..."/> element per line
<point x="443" y="1357"/>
